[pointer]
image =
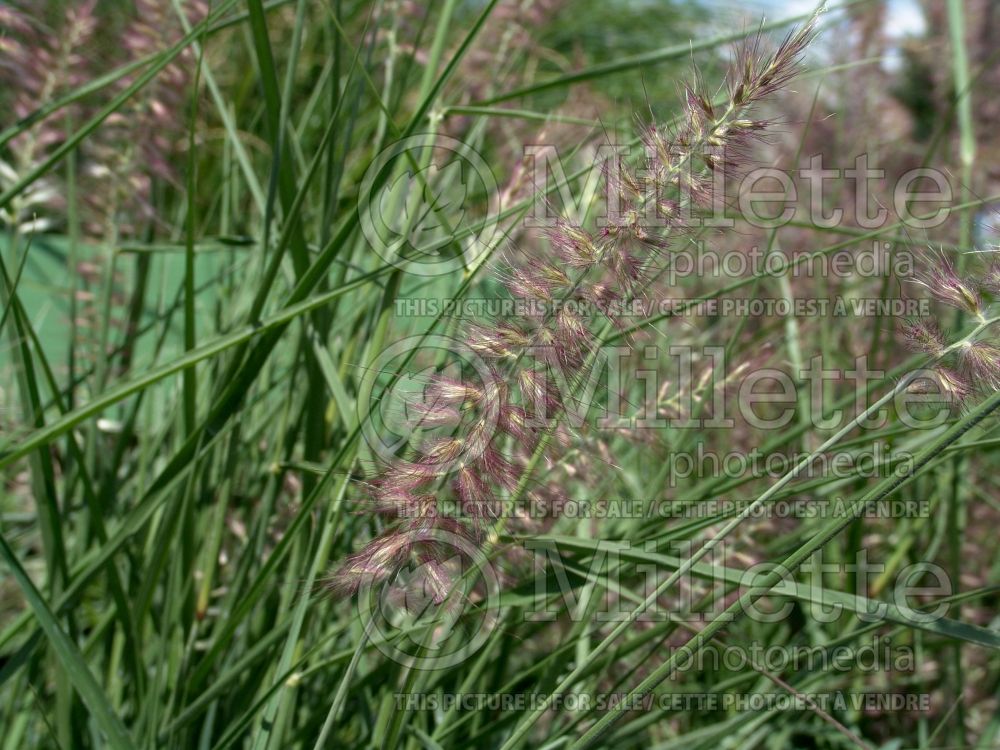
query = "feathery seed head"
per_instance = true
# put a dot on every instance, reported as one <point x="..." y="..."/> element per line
<point x="923" y="336"/>
<point x="574" y="245"/>
<point x="991" y="279"/>
<point x="949" y="383"/>
<point x="981" y="362"/>
<point x="941" y="279"/>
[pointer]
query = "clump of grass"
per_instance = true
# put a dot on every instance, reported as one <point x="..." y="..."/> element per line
<point x="194" y="313"/>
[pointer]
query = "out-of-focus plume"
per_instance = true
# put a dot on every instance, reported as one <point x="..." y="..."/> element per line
<point x="38" y="65"/>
